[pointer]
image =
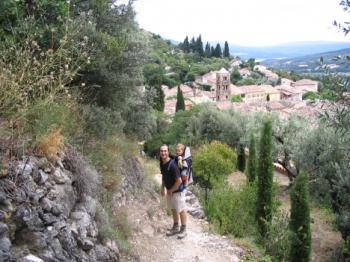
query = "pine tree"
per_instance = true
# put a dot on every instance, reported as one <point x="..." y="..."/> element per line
<point x="207" y="52"/>
<point x="193" y="45"/>
<point x="300" y="220"/>
<point x="159" y="100"/>
<point x="217" y="51"/>
<point x="199" y="46"/>
<point x="180" y="103"/>
<point x="226" y="50"/>
<point x="265" y="180"/>
<point x="186" y="45"/>
<point x="241" y="159"/>
<point x="252" y="163"/>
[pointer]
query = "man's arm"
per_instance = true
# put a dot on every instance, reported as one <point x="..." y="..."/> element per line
<point x="162" y="189"/>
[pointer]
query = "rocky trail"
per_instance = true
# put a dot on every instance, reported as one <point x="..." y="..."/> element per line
<point x="149" y="243"/>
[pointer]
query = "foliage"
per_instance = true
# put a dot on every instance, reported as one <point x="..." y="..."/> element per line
<point x="252" y="160"/>
<point x="311" y="96"/>
<point x="277" y="240"/>
<point x="180" y="102"/>
<point x="217" y="51"/>
<point x="231" y="210"/>
<point x="265" y="180"/>
<point x="300" y="220"/>
<point x="241" y="162"/>
<point x="226" y="52"/>
<point x="86" y="177"/>
<point x="29" y="72"/>
<point x="51" y="144"/>
<point x="213" y="163"/>
<point x="102" y="122"/>
<point x="236" y="99"/>
<point x="235" y="76"/>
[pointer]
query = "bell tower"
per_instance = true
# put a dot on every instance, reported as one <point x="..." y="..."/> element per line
<point x="223" y="91"/>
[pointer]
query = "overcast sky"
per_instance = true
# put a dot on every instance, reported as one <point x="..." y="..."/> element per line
<point x="245" y="22"/>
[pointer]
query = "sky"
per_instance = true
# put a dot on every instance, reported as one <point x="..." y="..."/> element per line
<point x="243" y="22"/>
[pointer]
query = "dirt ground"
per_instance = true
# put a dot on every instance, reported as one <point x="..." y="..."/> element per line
<point x="325" y="240"/>
<point x="149" y="222"/>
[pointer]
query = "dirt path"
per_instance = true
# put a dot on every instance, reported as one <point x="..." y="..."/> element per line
<point x="149" y="223"/>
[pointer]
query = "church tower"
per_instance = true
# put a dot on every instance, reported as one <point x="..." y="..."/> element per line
<point x="223" y="91"/>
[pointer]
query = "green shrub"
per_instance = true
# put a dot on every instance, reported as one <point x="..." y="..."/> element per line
<point x="213" y="163"/>
<point x="277" y="240"/>
<point x="236" y="99"/>
<point x="45" y="115"/>
<point x="102" y="122"/>
<point x="232" y="210"/>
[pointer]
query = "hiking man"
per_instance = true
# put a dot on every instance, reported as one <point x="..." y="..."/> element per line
<point x="171" y="188"/>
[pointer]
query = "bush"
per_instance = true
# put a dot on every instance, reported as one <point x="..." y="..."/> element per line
<point x="213" y="163"/>
<point x="51" y="144"/>
<point x="277" y="240"/>
<point x="86" y="177"/>
<point x="232" y="210"/>
<point x="46" y="114"/>
<point x="236" y="99"/>
<point x="102" y="122"/>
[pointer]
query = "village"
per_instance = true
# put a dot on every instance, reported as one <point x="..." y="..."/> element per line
<point x="285" y="98"/>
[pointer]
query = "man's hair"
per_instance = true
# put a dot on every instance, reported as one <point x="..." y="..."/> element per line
<point x="164" y="145"/>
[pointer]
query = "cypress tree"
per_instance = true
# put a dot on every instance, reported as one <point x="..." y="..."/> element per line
<point x="199" y="46"/>
<point x="265" y="180"/>
<point x="186" y="45"/>
<point x="217" y="51"/>
<point x="241" y="159"/>
<point x="207" y="52"/>
<point x="252" y="163"/>
<point x="300" y="220"/>
<point x="193" y="45"/>
<point x="226" y="50"/>
<point x="180" y="103"/>
<point x="212" y="51"/>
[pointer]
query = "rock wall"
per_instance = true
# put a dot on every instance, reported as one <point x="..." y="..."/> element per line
<point x="48" y="212"/>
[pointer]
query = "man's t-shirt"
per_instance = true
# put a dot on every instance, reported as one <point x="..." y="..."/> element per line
<point x="169" y="175"/>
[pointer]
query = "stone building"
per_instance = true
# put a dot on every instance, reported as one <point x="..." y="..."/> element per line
<point x="223" y="91"/>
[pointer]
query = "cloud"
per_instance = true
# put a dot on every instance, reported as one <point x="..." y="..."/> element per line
<point x="253" y="22"/>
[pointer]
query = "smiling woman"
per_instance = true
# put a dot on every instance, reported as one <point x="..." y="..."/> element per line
<point x="241" y="22"/>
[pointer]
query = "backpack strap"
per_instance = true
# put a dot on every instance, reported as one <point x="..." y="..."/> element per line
<point x="172" y="163"/>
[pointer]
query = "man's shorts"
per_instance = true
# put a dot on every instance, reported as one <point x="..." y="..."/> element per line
<point x="177" y="201"/>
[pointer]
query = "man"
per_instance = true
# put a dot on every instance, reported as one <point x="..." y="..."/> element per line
<point x="172" y="189"/>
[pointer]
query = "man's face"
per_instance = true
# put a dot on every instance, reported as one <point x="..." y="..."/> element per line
<point x="164" y="152"/>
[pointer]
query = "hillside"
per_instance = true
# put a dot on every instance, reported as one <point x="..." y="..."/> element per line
<point x="288" y="50"/>
<point x="311" y="63"/>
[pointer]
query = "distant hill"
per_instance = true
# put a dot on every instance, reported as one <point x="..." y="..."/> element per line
<point x="311" y="63"/>
<point x="288" y="50"/>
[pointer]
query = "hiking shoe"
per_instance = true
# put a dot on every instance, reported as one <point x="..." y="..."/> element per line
<point x="182" y="233"/>
<point x="173" y="231"/>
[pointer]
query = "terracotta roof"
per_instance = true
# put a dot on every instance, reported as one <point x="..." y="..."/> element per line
<point x="305" y="82"/>
<point x="223" y="71"/>
<point x="251" y="89"/>
<point x="288" y="89"/>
